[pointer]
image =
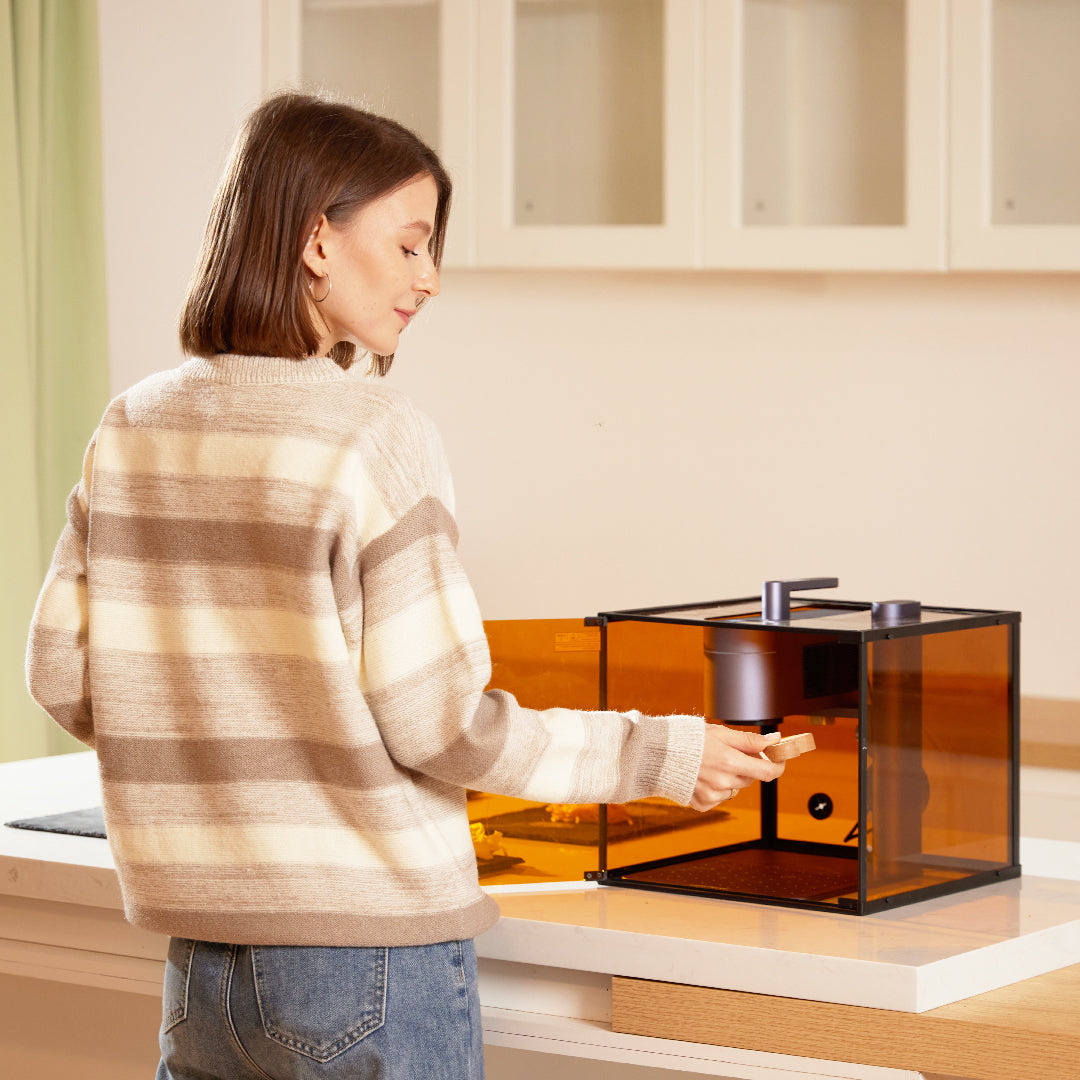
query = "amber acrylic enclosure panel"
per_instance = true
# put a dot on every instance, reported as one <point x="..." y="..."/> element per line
<point x="547" y="663"/>
<point x="544" y="663"/>
<point x="911" y="790"/>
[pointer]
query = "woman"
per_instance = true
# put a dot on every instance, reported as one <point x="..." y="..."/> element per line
<point x="257" y="618"/>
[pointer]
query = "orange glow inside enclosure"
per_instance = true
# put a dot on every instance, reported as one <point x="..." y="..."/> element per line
<point x="545" y="664"/>
<point x="655" y="668"/>
<point x="830" y="772"/>
<point x="659" y="669"/>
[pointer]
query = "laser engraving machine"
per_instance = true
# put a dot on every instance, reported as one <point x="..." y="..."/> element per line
<point x="911" y="793"/>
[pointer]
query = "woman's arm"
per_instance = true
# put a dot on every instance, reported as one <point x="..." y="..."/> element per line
<point x="57" y="670"/>
<point x="424" y="662"/>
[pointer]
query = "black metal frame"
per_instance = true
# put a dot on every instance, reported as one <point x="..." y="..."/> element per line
<point x="864" y="794"/>
<point x="1014" y="748"/>
<point x="969" y="618"/>
<point x="843" y="904"/>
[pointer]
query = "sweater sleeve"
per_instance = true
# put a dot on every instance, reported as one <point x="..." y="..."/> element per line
<point x="424" y="666"/>
<point x="57" y="670"/>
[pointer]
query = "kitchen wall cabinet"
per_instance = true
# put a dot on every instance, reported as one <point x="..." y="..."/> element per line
<point x="903" y="135"/>
<point x="1015" y="163"/>
<point x="825" y="134"/>
<point x="586" y="133"/>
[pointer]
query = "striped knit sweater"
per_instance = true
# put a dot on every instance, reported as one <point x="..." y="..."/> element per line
<point x="257" y="618"/>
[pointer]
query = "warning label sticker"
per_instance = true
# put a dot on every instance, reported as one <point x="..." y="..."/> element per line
<point x="578" y="641"/>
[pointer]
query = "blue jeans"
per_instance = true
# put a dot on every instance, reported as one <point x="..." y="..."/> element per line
<point x="252" y="1012"/>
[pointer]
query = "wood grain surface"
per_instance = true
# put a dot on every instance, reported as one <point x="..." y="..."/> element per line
<point x="792" y="746"/>
<point x="1028" y="1031"/>
<point x="1050" y="733"/>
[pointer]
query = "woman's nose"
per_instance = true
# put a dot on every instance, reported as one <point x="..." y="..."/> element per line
<point x="428" y="281"/>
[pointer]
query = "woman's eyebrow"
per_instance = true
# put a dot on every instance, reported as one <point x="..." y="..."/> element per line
<point x="423" y="226"/>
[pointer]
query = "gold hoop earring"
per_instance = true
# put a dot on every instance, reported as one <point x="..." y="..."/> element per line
<point x="311" y="289"/>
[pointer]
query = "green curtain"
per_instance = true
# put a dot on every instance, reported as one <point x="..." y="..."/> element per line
<point x="53" y="344"/>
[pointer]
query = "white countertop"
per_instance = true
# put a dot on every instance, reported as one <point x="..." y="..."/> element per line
<point x="912" y="959"/>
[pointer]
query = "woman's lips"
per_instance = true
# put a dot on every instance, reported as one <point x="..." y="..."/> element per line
<point x="406" y="315"/>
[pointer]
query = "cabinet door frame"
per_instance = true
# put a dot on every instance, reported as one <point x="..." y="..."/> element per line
<point x="281" y="44"/>
<point x="457" y="125"/>
<point x="976" y="243"/>
<point x="918" y="244"/>
<point x="502" y="243"/>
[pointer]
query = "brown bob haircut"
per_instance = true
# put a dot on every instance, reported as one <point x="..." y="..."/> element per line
<point x="297" y="157"/>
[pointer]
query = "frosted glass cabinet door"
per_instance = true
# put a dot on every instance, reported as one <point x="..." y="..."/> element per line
<point x="407" y="59"/>
<point x="1016" y="134"/>
<point x="586" y="133"/>
<point x="824" y="134"/>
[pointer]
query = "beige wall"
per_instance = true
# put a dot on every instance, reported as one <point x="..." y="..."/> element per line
<point x="620" y="440"/>
<point x="624" y="439"/>
<point x="176" y="79"/>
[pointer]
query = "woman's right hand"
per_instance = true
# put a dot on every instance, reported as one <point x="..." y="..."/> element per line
<point x="732" y="760"/>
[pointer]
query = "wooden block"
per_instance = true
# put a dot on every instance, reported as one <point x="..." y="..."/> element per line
<point x="790" y="747"/>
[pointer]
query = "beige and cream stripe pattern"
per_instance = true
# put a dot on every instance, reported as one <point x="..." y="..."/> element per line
<point x="257" y="618"/>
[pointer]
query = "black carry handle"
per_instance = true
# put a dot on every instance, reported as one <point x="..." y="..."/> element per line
<point x="776" y="595"/>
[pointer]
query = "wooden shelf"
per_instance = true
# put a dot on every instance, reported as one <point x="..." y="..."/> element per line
<point x="1027" y="1031"/>
<point x="1050" y="733"/>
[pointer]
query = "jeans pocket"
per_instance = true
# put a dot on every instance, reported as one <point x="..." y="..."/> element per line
<point x="319" y="1001"/>
<point x="174" y="998"/>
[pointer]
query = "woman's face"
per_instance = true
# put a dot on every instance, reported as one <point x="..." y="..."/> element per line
<point x="379" y="268"/>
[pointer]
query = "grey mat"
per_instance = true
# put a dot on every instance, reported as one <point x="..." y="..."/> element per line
<point x="74" y="822"/>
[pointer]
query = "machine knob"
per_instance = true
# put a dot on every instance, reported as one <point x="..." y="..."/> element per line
<point x="776" y="595"/>
<point x="893" y="612"/>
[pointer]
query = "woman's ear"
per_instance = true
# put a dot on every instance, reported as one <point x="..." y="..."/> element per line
<point x="315" y="250"/>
